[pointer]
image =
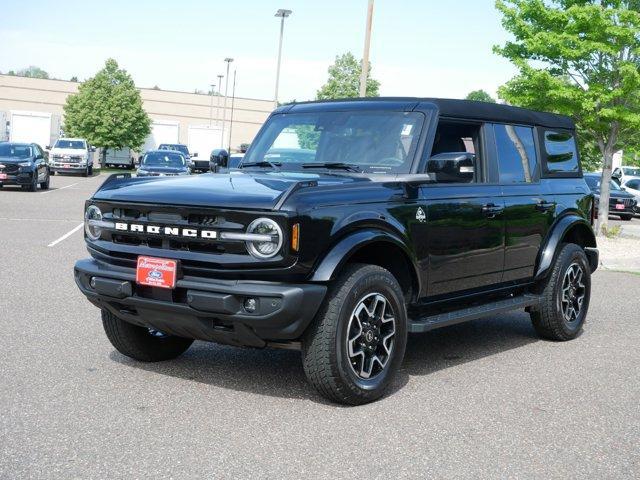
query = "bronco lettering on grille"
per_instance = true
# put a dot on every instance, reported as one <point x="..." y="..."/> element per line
<point x="169" y="231"/>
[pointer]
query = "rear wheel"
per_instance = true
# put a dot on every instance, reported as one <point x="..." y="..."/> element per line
<point x="565" y="297"/>
<point x="140" y="343"/>
<point x="90" y="170"/>
<point x="356" y="344"/>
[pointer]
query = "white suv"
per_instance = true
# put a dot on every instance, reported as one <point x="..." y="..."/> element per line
<point x="622" y="174"/>
<point x="71" y="155"/>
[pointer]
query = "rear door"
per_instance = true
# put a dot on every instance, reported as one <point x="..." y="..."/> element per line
<point x="465" y="218"/>
<point x="529" y="209"/>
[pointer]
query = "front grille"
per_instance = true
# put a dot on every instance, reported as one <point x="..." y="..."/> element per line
<point x="627" y="202"/>
<point x="67" y="158"/>
<point x="10" y="169"/>
<point x="199" y="256"/>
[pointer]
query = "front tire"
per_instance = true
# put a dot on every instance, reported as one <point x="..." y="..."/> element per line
<point x="355" y="346"/>
<point x="626" y="218"/>
<point x="141" y="343"/>
<point x="45" y="185"/>
<point x="565" y="297"/>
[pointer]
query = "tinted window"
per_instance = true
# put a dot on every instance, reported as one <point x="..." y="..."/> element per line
<point x="13" y="150"/>
<point x="562" y="156"/>
<point x="516" y="153"/>
<point x="592" y="182"/>
<point x="635" y="184"/>
<point x="157" y="159"/>
<point x="73" y="144"/>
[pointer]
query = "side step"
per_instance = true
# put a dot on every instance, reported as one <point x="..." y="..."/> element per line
<point x="425" y="324"/>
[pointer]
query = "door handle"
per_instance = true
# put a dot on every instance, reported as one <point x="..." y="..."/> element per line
<point x="491" y="210"/>
<point x="544" y="206"/>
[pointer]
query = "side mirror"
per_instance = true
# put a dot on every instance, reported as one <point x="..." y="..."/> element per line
<point x="452" y="167"/>
<point x="93" y="149"/>
<point x="219" y="159"/>
<point x="194" y="154"/>
<point x="48" y="147"/>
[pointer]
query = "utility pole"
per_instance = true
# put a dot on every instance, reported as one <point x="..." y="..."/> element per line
<point x="282" y="14"/>
<point x="213" y="89"/>
<point x="365" y="57"/>
<point x="218" y="99"/>
<point x="226" y="94"/>
<point x="233" y="101"/>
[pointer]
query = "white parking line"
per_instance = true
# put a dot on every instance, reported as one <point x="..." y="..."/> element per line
<point x="59" y="188"/>
<point x="65" y="236"/>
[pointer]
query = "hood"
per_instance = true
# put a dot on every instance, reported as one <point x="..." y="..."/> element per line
<point x="68" y="151"/>
<point x="616" y="194"/>
<point x="14" y="160"/>
<point x="259" y="191"/>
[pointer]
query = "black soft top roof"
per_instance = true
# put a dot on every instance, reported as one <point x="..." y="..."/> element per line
<point x="447" y="107"/>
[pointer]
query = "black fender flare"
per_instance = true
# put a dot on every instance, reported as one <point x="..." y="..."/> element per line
<point x="340" y="253"/>
<point x="557" y="234"/>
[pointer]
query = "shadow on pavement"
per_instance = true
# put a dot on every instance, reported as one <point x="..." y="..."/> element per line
<point x="279" y="373"/>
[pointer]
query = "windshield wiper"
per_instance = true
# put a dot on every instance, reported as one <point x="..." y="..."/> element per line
<point x="263" y="163"/>
<point x="334" y="166"/>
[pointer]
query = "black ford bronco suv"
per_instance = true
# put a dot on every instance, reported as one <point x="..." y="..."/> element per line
<point x="348" y="225"/>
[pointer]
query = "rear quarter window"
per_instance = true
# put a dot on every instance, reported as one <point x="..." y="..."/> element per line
<point x="561" y="153"/>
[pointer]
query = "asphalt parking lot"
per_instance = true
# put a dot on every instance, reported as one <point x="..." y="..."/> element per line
<point x="486" y="399"/>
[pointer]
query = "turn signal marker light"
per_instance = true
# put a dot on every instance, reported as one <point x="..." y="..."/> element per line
<point x="295" y="237"/>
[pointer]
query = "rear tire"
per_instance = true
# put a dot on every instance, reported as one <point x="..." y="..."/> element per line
<point x="90" y="170"/>
<point x="565" y="297"/>
<point x="355" y="346"/>
<point x="140" y="343"/>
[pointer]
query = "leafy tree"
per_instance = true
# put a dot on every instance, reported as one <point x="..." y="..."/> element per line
<point x="480" y="96"/>
<point x="344" y="80"/>
<point x="107" y="111"/>
<point x="580" y="58"/>
<point x="32" y="72"/>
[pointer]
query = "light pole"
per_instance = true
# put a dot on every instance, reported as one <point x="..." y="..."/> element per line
<point x="218" y="98"/>
<point x="365" y="56"/>
<point x="226" y="92"/>
<point x="282" y="14"/>
<point x="213" y="89"/>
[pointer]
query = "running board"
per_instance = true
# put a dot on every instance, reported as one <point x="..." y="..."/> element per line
<point x="425" y="324"/>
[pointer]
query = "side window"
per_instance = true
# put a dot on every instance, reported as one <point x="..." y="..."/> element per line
<point x="634" y="184"/>
<point x="455" y="156"/>
<point x="562" y="155"/>
<point x="516" y="153"/>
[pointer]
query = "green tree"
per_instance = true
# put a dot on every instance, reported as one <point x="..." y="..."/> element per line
<point x="344" y="80"/>
<point x="480" y="96"/>
<point x="107" y="111"/>
<point x="32" y="72"/>
<point x="580" y="58"/>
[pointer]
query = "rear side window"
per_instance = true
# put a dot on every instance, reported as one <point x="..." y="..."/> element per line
<point x="516" y="150"/>
<point x="562" y="154"/>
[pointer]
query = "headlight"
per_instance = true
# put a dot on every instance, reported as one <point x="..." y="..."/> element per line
<point x="93" y="222"/>
<point x="142" y="172"/>
<point x="271" y="242"/>
<point x="25" y="164"/>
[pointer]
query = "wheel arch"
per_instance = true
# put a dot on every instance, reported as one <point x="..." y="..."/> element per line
<point x="570" y="228"/>
<point x="375" y="247"/>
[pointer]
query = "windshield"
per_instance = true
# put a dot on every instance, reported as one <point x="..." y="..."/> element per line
<point x="11" y="150"/>
<point x="632" y="172"/>
<point x="157" y="159"/>
<point x="375" y="142"/>
<point x="594" y="183"/>
<point x="177" y="148"/>
<point x="73" y="144"/>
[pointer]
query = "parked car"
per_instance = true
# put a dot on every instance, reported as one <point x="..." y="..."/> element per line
<point x="405" y="215"/>
<point x="71" y="155"/>
<point x="632" y="186"/>
<point x="163" y="163"/>
<point x="23" y="164"/>
<point x="621" y="203"/>
<point x="621" y="174"/>
<point x="183" y="149"/>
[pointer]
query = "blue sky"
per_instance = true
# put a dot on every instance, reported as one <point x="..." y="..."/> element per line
<point x="419" y="47"/>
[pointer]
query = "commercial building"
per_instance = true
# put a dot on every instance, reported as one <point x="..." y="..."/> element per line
<point x="31" y="109"/>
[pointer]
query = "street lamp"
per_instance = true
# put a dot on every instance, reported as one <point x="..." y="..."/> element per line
<point x="282" y="14"/>
<point x="226" y="92"/>
<point x="218" y="98"/>
<point x="365" y="57"/>
<point x="213" y="89"/>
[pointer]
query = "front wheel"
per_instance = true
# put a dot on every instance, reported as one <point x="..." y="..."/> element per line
<point x="140" y="343"/>
<point x="356" y="344"/>
<point x="565" y="297"/>
<point x="45" y="185"/>
<point x="626" y="218"/>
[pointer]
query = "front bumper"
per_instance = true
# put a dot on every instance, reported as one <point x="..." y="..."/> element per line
<point x="22" y="178"/>
<point x="67" y="167"/>
<point x="201" y="308"/>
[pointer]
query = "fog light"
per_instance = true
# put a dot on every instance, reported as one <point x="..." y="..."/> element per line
<point x="250" y="305"/>
<point x="93" y="282"/>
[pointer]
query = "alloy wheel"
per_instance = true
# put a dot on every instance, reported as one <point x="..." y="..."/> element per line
<point x="573" y="292"/>
<point x="370" y="336"/>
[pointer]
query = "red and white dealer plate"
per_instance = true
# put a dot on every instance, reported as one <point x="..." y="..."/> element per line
<point x="156" y="272"/>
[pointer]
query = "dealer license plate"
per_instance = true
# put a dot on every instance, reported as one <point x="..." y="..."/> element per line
<point x="619" y="206"/>
<point x="156" y="272"/>
<point x="3" y="176"/>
